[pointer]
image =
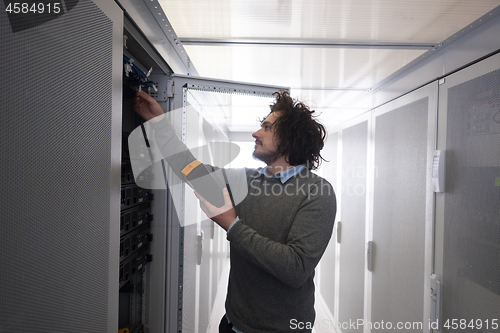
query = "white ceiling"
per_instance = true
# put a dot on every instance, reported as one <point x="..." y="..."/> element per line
<point x="275" y="42"/>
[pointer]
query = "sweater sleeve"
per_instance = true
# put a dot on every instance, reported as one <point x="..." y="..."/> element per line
<point x="295" y="260"/>
<point x="178" y="155"/>
<point x="175" y="152"/>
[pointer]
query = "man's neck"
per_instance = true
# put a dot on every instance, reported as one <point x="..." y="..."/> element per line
<point x="277" y="166"/>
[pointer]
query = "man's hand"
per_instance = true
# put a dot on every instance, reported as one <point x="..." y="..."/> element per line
<point x="224" y="215"/>
<point x="147" y="107"/>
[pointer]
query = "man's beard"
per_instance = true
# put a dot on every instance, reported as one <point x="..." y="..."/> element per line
<point x="267" y="157"/>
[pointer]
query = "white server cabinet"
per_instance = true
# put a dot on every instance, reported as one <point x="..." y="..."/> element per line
<point x="327" y="278"/>
<point x="353" y="194"/>
<point x="467" y="212"/>
<point x="400" y="218"/>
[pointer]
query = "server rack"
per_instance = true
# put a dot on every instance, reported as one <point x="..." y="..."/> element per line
<point x="135" y="233"/>
<point x="144" y="221"/>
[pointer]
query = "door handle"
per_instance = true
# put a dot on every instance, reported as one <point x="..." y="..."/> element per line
<point x="339" y="228"/>
<point x="369" y="255"/>
<point x="201" y="238"/>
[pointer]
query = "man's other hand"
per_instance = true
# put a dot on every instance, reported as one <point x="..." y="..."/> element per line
<point x="224" y="215"/>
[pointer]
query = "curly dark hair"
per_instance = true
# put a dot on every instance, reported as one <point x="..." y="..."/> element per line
<point x="301" y="137"/>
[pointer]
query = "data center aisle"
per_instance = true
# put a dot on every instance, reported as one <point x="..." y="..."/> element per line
<point x="324" y="322"/>
<point x="218" y="311"/>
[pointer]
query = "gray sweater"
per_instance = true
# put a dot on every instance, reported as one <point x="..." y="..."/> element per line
<point x="282" y="233"/>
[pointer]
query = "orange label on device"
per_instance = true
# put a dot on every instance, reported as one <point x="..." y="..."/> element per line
<point x="188" y="168"/>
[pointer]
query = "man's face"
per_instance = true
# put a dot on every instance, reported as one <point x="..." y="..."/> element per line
<point x="266" y="142"/>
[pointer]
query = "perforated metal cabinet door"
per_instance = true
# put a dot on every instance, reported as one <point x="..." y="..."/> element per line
<point x="352" y="246"/>
<point x="468" y="223"/>
<point x="60" y="170"/>
<point x="197" y="258"/>
<point x="192" y="231"/>
<point x="403" y="147"/>
<point x="200" y="279"/>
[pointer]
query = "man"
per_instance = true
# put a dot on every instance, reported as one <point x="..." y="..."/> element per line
<point x="280" y="230"/>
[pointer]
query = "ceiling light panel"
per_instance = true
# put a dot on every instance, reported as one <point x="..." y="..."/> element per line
<point x="240" y="113"/>
<point x="322" y="68"/>
<point x="319" y="100"/>
<point x="352" y="20"/>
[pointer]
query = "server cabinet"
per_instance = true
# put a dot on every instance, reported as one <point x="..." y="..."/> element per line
<point x="377" y="265"/>
<point x="60" y="163"/>
<point x="467" y="212"/>
<point x="187" y="251"/>
<point x="139" y="216"/>
<point x="401" y="212"/>
<point x="328" y="267"/>
<point x="144" y="299"/>
<point x="354" y="164"/>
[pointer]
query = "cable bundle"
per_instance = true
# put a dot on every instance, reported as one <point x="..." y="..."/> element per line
<point x="134" y="76"/>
